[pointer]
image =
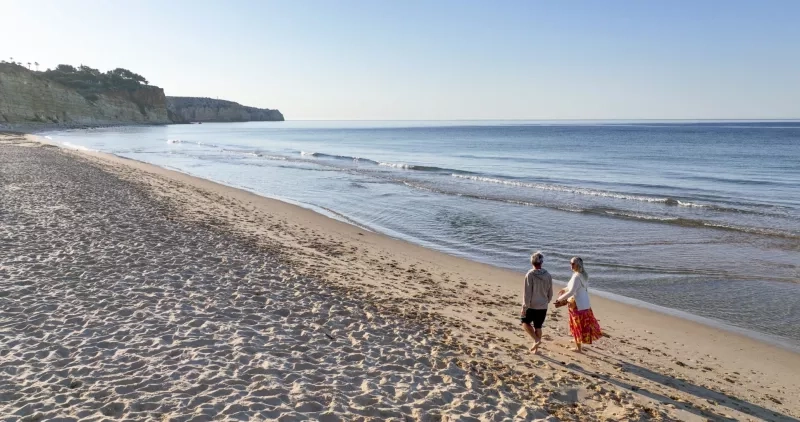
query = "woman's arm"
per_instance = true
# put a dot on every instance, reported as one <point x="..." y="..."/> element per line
<point x="570" y="290"/>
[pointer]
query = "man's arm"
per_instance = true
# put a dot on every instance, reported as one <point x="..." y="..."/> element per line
<point x="550" y="291"/>
<point x="526" y="295"/>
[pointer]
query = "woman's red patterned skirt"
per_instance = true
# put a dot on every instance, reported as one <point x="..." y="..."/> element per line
<point x="584" y="326"/>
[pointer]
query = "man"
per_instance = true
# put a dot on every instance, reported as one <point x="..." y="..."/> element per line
<point x="537" y="293"/>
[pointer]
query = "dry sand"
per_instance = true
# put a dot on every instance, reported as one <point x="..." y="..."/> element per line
<point x="130" y="291"/>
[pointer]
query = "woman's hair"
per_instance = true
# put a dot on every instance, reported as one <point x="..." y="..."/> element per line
<point x="580" y="268"/>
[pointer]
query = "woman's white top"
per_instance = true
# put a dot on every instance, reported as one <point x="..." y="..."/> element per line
<point x="578" y="286"/>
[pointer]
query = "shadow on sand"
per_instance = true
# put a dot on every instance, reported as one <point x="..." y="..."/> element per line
<point x="699" y="392"/>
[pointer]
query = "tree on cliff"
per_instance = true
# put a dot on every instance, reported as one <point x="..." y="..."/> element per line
<point x="124" y="77"/>
<point x="66" y="68"/>
<point x="127" y="74"/>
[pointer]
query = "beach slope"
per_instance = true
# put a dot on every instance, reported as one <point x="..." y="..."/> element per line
<point x="136" y="292"/>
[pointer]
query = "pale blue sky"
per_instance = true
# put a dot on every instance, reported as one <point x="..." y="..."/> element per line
<point x="383" y="59"/>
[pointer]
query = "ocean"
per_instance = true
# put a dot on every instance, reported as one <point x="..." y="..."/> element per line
<point x="701" y="219"/>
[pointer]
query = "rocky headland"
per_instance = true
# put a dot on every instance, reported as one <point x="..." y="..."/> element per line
<point x="28" y="98"/>
<point x="199" y="109"/>
<point x="70" y="97"/>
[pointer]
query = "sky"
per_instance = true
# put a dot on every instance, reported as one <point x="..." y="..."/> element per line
<point x="436" y="59"/>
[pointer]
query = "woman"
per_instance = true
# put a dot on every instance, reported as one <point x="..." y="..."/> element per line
<point x="582" y="323"/>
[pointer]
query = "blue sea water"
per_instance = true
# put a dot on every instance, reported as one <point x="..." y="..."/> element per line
<point x="702" y="217"/>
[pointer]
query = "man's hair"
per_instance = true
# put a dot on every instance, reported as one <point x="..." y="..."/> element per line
<point x="537" y="258"/>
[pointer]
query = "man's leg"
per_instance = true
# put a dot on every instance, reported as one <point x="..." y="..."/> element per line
<point x="537" y="340"/>
<point x="528" y="329"/>
<point x="537" y="329"/>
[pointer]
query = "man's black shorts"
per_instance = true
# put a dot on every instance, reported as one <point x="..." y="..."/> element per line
<point x="534" y="317"/>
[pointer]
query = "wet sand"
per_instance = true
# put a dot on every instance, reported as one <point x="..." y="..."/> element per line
<point x="133" y="292"/>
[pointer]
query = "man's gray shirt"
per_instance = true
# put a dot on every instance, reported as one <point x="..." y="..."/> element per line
<point x="538" y="289"/>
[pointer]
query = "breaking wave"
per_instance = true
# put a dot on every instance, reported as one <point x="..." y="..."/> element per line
<point x="400" y="166"/>
<point x="247" y="153"/>
<point x="337" y="157"/>
<point x="181" y="141"/>
<point x="580" y="191"/>
<point x="612" y="212"/>
<point x="404" y="166"/>
<point x="70" y="145"/>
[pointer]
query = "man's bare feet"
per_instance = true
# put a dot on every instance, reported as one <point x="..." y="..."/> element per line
<point x="535" y="348"/>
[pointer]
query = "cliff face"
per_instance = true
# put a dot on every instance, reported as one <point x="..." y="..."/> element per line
<point x="197" y="109"/>
<point x="26" y="97"/>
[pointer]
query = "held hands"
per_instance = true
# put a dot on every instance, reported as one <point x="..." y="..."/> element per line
<point x="522" y="312"/>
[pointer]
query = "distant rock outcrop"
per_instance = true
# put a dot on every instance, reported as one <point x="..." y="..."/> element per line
<point x="198" y="109"/>
<point x="30" y="98"/>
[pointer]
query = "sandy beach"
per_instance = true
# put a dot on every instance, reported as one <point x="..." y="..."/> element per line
<point x="132" y="292"/>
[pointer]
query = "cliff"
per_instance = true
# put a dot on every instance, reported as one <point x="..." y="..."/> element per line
<point x="197" y="109"/>
<point x="26" y="97"/>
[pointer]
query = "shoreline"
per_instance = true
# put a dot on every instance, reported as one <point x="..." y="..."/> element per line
<point x="770" y="339"/>
<point x="661" y="358"/>
<point x="35" y="129"/>
<point x="787" y="344"/>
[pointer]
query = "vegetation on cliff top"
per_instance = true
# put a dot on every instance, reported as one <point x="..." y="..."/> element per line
<point x="90" y="82"/>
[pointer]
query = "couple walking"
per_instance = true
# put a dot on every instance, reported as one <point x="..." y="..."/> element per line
<point x="539" y="292"/>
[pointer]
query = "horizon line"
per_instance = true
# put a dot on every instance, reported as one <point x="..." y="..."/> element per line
<point x="788" y="119"/>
